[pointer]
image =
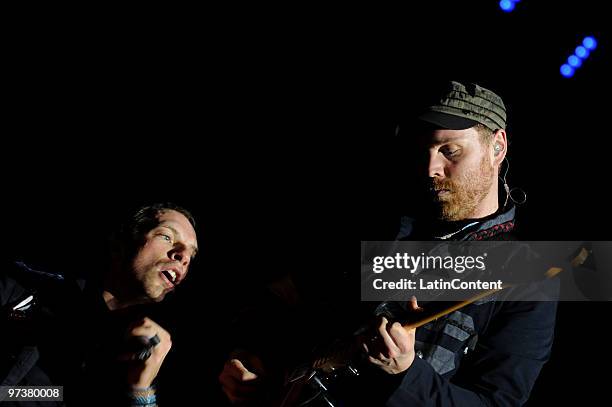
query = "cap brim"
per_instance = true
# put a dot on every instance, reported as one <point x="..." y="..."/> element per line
<point x="447" y="121"/>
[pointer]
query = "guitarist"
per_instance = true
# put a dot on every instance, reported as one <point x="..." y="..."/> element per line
<point x="489" y="352"/>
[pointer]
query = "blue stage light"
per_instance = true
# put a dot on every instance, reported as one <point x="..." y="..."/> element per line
<point x="589" y="43"/>
<point x="567" y="71"/>
<point x="581" y="52"/>
<point x="574" y="61"/>
<point x="506" y="5"/>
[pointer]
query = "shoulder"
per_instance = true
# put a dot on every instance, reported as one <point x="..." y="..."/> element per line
<point x="19" y="281"/>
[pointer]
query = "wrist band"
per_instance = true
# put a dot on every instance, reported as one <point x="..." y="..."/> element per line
<point x="142" y="397"/>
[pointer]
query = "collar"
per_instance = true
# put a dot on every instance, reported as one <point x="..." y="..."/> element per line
<point x="500" y="222"/>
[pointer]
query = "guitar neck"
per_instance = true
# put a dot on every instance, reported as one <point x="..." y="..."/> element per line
<point x="434" y="313"/>
<point x="431" y="312"/>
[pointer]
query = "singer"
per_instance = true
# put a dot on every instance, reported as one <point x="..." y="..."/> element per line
<point x="94" y="338"/>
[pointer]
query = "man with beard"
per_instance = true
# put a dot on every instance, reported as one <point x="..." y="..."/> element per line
<point x="94" y="338"/>
<point x="457" y="147"/>
<point x="491" y="351"/>
<point x="486" y="353"/>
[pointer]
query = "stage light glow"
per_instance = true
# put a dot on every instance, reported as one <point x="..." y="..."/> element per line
<point x="589" y="43"/>
<point x="506" y="5"/>
<point x="574" y="61"/>
<point x="581" y="52"/>
<point x="567" y="71"/>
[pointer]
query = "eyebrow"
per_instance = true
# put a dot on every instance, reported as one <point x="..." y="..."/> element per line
<point x="447" y="140"/>
<point x="194" y="248"/>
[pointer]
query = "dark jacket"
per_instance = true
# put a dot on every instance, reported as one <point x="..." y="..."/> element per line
<point x="488" y="353"/>
<point x="65" y="336"/>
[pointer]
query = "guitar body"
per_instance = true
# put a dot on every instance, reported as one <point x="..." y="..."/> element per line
<point x="306" y="387"/>
<point x="330" y="376"/>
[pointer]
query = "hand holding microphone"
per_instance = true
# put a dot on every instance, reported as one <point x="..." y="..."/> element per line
<point x="148" y="345"/>
<point x="140" y="347"/>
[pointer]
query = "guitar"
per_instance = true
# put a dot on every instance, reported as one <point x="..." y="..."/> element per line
<point x="311" y="384"/>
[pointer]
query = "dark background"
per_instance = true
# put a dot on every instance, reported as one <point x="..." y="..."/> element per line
<point x="276" y="127"/>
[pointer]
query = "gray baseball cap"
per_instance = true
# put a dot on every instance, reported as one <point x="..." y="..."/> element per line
<point x="463" y="106"/>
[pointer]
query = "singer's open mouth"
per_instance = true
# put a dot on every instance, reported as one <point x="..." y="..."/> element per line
<point x="168" y="278"/>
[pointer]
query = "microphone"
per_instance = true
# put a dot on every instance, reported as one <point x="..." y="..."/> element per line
<point x="141" y="346"/>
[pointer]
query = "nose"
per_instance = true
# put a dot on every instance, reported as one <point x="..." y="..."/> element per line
<point x="180" y="254"/>
<point x="435" y="168"/>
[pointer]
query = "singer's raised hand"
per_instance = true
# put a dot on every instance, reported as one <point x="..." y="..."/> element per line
<point x="140" y="374"/>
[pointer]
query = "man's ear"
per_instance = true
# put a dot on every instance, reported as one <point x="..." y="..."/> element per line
<point x="500" y="147"/>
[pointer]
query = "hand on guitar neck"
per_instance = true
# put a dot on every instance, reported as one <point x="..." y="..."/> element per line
<point x="392" y="347"/>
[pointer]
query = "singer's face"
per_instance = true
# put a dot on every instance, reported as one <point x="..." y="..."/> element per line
<point x="460" y="172"/>
<point x="163" y="260"/>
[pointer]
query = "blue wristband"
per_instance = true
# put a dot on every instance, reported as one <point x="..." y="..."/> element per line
<point x="142" y="396"/>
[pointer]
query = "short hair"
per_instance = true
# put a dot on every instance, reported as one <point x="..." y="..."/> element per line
<point x="485" y="133"/>
<point x="134" y="228"/>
